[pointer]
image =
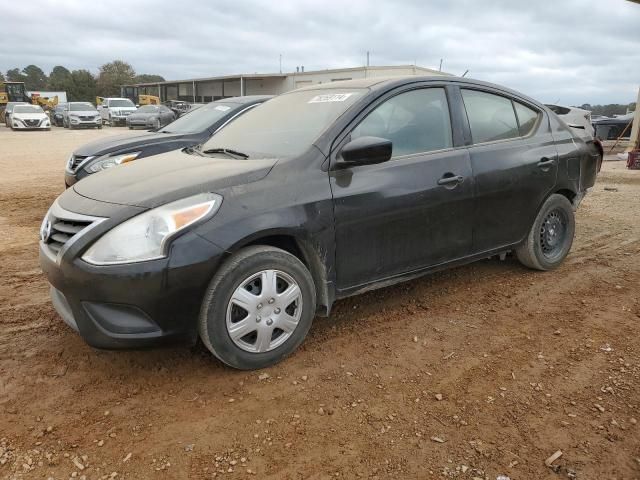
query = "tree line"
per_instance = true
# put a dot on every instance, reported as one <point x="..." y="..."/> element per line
<point x="610" y="109"/>
<point x="80" y="85"/>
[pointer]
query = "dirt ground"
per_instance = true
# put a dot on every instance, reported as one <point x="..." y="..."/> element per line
<point x="477" y="372"/>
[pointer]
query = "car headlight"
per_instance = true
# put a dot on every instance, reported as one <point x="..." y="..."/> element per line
<point x="108" y="162"/>
<point x="146" y="236"/>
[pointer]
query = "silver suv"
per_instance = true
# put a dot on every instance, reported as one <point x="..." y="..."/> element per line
<point x="115" y="111"/>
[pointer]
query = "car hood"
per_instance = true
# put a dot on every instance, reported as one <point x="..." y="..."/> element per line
<point x="29" y="116"/>
<point x="144" y="114"/>
<point x="154" y="181"/>
<point x="85" y="113"/>
<point x="124" y="142"/>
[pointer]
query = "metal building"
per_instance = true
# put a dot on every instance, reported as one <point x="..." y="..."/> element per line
<point x="203" y="90"/>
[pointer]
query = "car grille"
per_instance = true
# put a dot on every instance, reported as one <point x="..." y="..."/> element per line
<point x="85" y="118"/>
<point x="76" y="160"/>
<point x="31" y="123"/>
<point x="60" y="227"/>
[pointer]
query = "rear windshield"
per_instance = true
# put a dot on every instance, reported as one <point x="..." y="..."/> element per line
<point x="287" y="125"/>
<point x="121" y="103"/>
<point x="81" y="107"/>
<point x="148" y="109"/>
<point x="201" y="118"/>
<point x="27" y="109"/>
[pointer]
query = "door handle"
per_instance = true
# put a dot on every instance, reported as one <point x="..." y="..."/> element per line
<point x="545" y="163"/>
<point x="450" y="180"/>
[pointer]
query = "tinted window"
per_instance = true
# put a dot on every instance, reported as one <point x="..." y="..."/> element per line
<point x="491" y="117"/>
<point x="527" y="118"/>
<point x="415" y="121"/>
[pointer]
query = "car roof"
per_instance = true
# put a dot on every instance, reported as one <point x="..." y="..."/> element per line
<point x="245" y="99"/>
<point x="380" y="83"/>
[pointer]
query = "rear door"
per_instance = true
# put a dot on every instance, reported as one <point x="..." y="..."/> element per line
<point x="515" y="165"/>
<point x="414" y="210"/>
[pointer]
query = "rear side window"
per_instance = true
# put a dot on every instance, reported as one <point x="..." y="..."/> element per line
<point x="416" y="122"/>
<point x="491" y="117"/>
<point x="527" y="118"/>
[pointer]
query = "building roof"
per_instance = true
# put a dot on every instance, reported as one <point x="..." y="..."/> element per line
<point x="425" y="71"/>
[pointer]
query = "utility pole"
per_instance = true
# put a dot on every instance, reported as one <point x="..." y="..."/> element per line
<point x="280" y="63"/>
<point x="367" y="58"/>
<point x="440" y="68"/>
<point x="634" y="139"/>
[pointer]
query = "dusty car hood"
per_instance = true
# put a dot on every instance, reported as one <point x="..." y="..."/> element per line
<point x="142" y="115"/>
<point x="29" y="116"/>
<point x="85" y="113"/>
<point x="160" y="179"/>
<point x="122" y="142"/>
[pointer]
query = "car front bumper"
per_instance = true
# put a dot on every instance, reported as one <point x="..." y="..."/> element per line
<point x="21" y="126"/>
<point x="85" y="123"/>
<point x="132" y="305"/>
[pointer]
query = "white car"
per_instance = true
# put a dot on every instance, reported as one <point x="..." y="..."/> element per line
<point x="29" y="117"/>
<point x="577" y="118"/>
<point x="115" y="111"/>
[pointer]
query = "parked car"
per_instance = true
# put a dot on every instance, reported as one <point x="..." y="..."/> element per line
<point x="614" y="127"/>
<point x="115" y="111"/>
<point x="81" y="115"/>
<point x="57" y="115"/>
<point x="151" y="116"/>
<point x="580" y="121"/>
<point x="318" y="194"/>
<point x="29" y="117"/>
<point x="7" y="112"/>
<point x="187" y="131"/>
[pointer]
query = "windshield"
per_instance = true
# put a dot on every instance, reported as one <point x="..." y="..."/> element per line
<point x="27" y="109"/>
<point x="121" y="103"/>
<point x="148" y="109"/>
<point x="200" y="119"/>
<point x="81" y="107"/>
<point x="285" y="126"/>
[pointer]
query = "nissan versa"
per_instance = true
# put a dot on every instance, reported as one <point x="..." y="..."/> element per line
<point x="315" y="195"/>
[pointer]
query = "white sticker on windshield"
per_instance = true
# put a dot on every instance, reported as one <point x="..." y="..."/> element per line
<point x="222" y="108"/>
<point x="330" y="97"/>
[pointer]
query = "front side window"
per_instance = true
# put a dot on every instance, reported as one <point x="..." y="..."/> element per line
<point x="491" y="117"/>
<point x="527" y="118"/>
<point x="416" y="121"/>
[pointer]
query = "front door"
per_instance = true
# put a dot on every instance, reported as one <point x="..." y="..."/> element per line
<point x="414" y="210"/>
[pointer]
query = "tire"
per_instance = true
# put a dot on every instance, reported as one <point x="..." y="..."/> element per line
<point x="551" y="236"/>
<point x="243" y="272"/>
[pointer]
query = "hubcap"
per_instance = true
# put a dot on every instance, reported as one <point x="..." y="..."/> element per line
<point x="264" y="311"/>
<point x="552" y="233"/>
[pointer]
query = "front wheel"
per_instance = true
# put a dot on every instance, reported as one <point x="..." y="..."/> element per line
<point x="551" y="235"/>
<point x="258" y="308"/>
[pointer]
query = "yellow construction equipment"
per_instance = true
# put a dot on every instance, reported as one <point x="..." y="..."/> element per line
<point x="12" y="92"/>
<point x="148" y="100"/>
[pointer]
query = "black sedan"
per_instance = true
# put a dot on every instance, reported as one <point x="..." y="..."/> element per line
<point x="318" y="194"/>
<point x="57" y="115"/>
<point x="151" y="116"/>
<point x="191" y="129"/>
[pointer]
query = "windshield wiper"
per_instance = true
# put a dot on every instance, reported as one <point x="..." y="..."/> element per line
<point x="227" y="151"/>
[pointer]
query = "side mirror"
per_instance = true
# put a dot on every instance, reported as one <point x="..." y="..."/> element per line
<point x="365" y="151"/>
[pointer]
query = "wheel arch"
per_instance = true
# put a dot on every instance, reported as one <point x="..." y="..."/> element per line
<point x="304" y="250"/>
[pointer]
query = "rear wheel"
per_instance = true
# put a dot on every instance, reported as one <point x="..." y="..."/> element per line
<point x="551" y="235"/>
<point x="258" y="308"/>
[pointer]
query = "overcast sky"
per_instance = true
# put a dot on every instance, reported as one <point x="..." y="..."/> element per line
<point x="566" y="51"/>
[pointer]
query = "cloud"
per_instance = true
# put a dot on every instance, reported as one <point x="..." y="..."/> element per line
<point x="571" y="51"/>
